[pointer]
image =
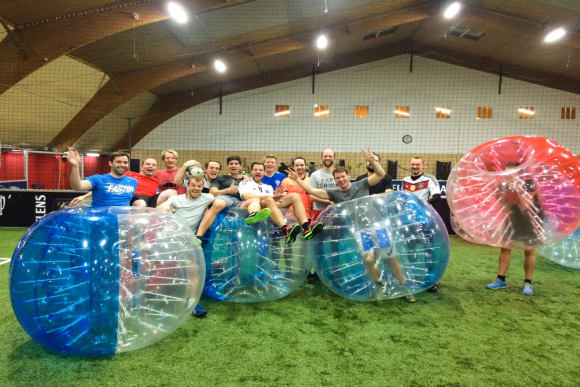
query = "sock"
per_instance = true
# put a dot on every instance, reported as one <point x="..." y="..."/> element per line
<point x="305" y="226"/>
<point x="501" y="277"/>
<point x="528" y="281"/>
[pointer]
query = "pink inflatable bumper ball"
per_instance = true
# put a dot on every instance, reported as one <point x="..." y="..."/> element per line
<point x="516" y="192"/>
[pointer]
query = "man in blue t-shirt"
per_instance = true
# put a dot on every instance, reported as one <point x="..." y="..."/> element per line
<point x="271" y="177"/>
<point x="110" y="189"/>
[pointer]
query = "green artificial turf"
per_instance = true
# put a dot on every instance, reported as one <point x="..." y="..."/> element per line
<point x="463" y="335"/>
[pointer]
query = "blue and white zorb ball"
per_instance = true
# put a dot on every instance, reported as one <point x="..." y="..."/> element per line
<point x="565" y="252"/>
<point x="252" y="263"/>
<point x="399" y="237"/>
<point x="94" y="281"/>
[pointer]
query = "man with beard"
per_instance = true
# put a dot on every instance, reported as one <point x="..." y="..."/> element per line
<point x="190" y="209"/>
<point x="323" y="179"/>
<point x="424" y="186"/>
<point x="225" y="190"/>
<point x="146" y="193"/>
<point x="290" y="186"/>
<point x="386" y="183"/>
<point x="259" y="200"/>
<point x="347" y="191"/>
<point x="272" y="177"/>
<point x="109" y="189"/>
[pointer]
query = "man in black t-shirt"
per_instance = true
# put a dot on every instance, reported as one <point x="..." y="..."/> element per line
<point x="525" y="218"/>
<point x="225" y="190"/>
<point x="386" y="182"/>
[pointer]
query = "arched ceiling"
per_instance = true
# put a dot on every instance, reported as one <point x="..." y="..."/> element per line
<point x="145" y="61"/>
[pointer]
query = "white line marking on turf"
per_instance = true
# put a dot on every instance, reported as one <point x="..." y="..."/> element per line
<point x="4" y="260"/>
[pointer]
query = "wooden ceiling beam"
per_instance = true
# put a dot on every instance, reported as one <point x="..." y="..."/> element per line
<point x="492" y="66"/>
<point x="30" y="48"/>
<point x="122" y="87"/>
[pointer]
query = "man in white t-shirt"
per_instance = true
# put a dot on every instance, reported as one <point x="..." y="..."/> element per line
<point x="323" y="179"/>
<point x="259" y="200"/>
<point x="422" y="185"/>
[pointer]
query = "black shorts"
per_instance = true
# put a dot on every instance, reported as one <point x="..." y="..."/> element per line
<point x="150" y="200"/>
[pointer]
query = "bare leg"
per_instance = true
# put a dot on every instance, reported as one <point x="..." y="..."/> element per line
<point x="276" y="215"/>
<point x="253" y="205"/>
<point x="504" y="261"/>
<point x="210" y="215"/>
<point x="370" y="265"/>
<point x="397" y="270"/>
<point x="529" y="263"/>
<point x="139" y="203"/>
<point x="293" y="199"/>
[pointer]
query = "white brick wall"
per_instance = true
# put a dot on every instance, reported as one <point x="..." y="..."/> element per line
<point x="247" y="122"/>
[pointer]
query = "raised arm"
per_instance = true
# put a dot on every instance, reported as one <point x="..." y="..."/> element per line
<point x="379" y="171"/>
<point x="179" y="175"/>
<point x="76" y="183"/>
<point x="318" y="192"/>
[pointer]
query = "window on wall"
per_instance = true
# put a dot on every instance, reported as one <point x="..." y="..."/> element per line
<point x="361" y="111"/>
<point x="526" y="113"/>
<point x="321" y="111"/>
<point x="282" y="111"/>
<point x="402" y="112"/>
<point x="442" y="111"/>
<point x="484" y="113"/>
<point x="568" y="113"/>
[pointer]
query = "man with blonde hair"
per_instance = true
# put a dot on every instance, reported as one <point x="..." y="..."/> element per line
<point x="271" y="177"/>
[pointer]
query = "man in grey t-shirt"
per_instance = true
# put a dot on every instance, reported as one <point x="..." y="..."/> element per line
<point x="190" y="206"/>
<point x="348" y="191"/>
<point x="323" y="179"/>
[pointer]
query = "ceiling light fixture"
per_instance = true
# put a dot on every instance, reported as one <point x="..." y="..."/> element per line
<point x="177" y="12"/>
<point x="92" y="154"/>
<point x="321" y="42"/>
<point x="220" y="66"/>
<point x="452" y="10"/>
<point x="555" y="35"/>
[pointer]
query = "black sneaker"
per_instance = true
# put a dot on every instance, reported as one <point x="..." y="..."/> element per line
<point x="433" y="289"/>
<point x="312" y="278"/>
<point x="313" y="229"/>
<point x="291" y="233"/>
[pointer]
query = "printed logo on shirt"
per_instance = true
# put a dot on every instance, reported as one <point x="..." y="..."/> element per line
<point x="118" y="188"/>
<point x="415" y="186"/>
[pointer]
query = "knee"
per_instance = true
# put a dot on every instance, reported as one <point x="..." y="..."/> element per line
<point x="139" y="203"/>
<point x="293" y="196"/>
<point x="219" y="204"/>
<point x="268" y="201"/>
<point x="369" y="258"/>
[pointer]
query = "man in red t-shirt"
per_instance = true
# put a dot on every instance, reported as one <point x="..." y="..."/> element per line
<point x="146" y="194"/>
<point x="166" y="177"/>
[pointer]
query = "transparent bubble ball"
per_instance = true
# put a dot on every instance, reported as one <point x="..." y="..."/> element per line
<point x="252" y="263"/>
<point x="516" y="192"/>
<point x="402" y="238"/>
<point x="565" y="252"/>
<point x="96" y="281"/>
